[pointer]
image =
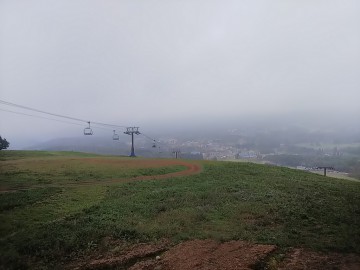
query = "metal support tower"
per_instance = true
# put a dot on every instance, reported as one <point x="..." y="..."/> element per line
<point x="131" y="131"/>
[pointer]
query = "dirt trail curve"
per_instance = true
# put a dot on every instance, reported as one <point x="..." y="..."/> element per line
<point x="191" y="168"/>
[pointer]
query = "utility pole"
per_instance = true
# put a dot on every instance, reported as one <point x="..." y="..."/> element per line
<point x="131" y="131"/>
<point x="325" y="168"/>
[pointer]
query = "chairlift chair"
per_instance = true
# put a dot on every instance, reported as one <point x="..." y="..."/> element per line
<point x="115" y="136"/>
<point x="88" y="130"/>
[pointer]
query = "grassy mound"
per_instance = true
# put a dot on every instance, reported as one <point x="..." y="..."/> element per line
<point x="259" y="203"/>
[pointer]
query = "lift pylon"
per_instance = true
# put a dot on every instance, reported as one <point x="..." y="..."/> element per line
<point x="131" y="131"/>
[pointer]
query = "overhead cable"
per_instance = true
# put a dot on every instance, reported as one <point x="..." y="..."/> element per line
<point x="42" y="117"/>
<point x="40" y="111"/>
<point x="59" y="115"/>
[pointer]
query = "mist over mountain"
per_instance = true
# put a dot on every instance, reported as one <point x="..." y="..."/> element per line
<point x="288" y="140"/>
<point x="252" y="133"/>
<point x="214" y="79"/>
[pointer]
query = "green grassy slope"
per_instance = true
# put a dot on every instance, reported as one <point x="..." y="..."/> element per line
<point x="21" y="169"/>
<point x="259" y="203"/>
<point x="17" y="154"/>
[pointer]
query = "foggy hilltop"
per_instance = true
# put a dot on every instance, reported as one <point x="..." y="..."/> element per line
<point x="284" y="144"/>
<point x="272" y="81"/>
<point x="228" y="108"/>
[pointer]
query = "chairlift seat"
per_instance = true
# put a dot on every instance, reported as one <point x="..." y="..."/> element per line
<point x="88" y="131"/>
<point x="115" y="136"/>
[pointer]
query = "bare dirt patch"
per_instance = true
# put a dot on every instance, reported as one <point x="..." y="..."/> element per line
<point x="214" y="255"/>
<point x="299" y="259"/>
<point x="128" y="258"/>
<point x="210" y="254"/>
<point x="189" y="255"/>
<point x="191" y="168"/>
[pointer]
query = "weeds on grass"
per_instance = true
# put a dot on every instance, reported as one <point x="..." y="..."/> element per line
<point x="227" y="201"/>
<point x="62" y="171"/>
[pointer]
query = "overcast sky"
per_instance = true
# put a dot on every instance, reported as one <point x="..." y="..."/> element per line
<point x="143" y="62"/>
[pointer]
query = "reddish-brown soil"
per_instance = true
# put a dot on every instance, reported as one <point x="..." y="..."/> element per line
<point x="213" y="255"/>
<point x="299" y="259"/>
<point x="190" y="255"/>
<point x="209" y="254"/>
<point x="191" y="168"/>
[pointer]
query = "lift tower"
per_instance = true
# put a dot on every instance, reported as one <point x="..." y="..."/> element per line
<point x="131" y="131"/>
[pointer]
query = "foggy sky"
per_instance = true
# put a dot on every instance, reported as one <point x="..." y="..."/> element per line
<point x="152" y="62"/>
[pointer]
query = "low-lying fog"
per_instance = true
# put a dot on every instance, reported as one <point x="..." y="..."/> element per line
<point x="179" y="67"/>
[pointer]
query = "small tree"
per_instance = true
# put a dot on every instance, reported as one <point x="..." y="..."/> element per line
<point x="3" y="143"/>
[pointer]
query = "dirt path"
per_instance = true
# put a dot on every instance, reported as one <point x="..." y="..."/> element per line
<point x="191" y="168"/>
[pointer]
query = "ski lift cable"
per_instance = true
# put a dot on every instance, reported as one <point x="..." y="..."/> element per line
<point x="37" y="116"/>
<point x="87" y="130"/>
<point x="108" y="125"/>
<point x="152" y="139"/>
<point x="58" y="115"/>
<point x="51" y="119"/>
<point x="40" y="111"/>
<point x="147" y="137"/>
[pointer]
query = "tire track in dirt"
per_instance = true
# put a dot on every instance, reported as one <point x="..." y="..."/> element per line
<point x="191" y="169"/>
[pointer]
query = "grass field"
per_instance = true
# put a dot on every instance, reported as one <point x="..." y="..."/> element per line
<point x="24" y="170"/>
<point x="339" y="175"/>
<point x="48" y="220"/>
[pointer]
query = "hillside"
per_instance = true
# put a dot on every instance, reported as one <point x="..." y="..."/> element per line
<point x="68" y="210"/>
